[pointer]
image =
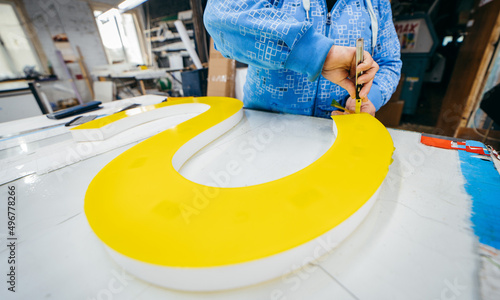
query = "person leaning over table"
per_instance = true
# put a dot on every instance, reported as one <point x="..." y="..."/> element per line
<point x="288" y="46"/>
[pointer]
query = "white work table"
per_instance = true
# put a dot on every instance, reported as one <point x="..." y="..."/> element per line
<point x="416" y="242"/>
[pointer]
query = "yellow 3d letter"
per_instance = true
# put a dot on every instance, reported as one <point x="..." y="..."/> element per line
<point x="173" y="232"/>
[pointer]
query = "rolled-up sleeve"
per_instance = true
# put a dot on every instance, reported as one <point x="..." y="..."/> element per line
<point x="257" y="33"/>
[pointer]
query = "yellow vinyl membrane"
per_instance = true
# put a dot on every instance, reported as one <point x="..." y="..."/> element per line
<point x="141" y="207"/>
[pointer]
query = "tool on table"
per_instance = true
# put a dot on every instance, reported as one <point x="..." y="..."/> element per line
<point x="75" y="110"/>
<point x="134" y="105"/>
<point x="359" y="59"/>
<point x="80" y="120"/>
<point x="454" y="143"/>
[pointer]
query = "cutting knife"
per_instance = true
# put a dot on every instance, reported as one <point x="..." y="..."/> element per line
<point x="359" y="59"/>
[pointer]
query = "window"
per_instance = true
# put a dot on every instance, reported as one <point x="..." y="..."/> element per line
<point x="16" y="51"/>
<point x="119" y="36"/>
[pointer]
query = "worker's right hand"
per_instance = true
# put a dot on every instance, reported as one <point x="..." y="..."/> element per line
<point x="340" y="68"/>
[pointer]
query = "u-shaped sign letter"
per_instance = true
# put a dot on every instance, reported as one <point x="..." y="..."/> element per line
<point x="176" y="233"/>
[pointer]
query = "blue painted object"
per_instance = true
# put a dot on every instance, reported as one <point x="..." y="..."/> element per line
<point x="483" y="184"/>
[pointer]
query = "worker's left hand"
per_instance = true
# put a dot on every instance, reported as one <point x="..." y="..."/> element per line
<point x="366" y="107"/>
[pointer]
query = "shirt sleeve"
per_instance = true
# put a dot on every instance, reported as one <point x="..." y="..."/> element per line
<point x="387" y="54"/>
<point x="257" y="33"/>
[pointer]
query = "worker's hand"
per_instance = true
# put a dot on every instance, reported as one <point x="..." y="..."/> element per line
<point x="340" y="68"/>
<point x="366" y="107"/>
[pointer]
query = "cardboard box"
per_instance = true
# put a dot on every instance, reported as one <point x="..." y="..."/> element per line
<point x="390" y="114"/>
<point x="399" y="88"/>
<point x="221" y="74"/>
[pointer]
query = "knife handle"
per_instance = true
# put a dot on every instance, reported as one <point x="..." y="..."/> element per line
<point x="359" y="59"/>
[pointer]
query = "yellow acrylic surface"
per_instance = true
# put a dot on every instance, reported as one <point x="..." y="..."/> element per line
<point x="141" y="207"/>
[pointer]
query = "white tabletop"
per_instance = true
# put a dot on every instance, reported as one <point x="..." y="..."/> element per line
<point x="416" y="243"/>
<point x="137" y="74"/>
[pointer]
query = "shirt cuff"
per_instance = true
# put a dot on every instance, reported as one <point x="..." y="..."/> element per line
<point x="309" y="54"/>
<point x="375" y="96"/>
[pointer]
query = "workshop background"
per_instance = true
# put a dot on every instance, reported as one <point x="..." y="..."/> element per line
<point x="432" y="234"/>
<point x="59" y="53"/>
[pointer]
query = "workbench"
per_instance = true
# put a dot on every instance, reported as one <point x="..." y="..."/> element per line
<point x="137" y="76"/>
<point x="416" y="242"/>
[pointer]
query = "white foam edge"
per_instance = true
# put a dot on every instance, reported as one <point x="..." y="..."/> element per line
<point x="248" y="273"/>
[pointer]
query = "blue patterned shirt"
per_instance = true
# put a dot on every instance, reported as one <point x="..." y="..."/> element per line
<point x="285" y="51"/>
